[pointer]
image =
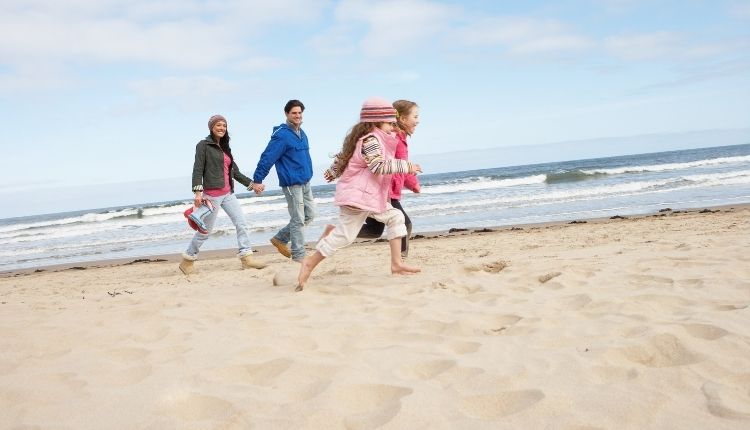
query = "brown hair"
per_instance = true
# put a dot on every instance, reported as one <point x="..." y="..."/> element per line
<point x="350" y="144"/>
<point x="403" y="107"/>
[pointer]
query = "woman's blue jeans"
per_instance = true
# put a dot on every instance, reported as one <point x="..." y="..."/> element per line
<point x="232" y="207"/>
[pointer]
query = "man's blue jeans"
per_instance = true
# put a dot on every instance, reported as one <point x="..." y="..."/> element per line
<point x="299" y="201"/>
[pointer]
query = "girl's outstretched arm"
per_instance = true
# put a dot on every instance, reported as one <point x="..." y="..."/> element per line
<point x="373" y="151"/>
<point x="332" y="172"/>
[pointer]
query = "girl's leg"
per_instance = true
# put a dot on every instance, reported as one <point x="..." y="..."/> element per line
<point x="394" y="220"/>
<point x="308" y="265"/>
<point x="334" y="238"/>
<point x="372" y="229"/>
<point x="326" y="231"/>
<point x="407" y="221"/>
<point x="398" y="267"/>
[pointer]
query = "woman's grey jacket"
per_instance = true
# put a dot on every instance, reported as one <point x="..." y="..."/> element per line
<point x="208" y="169"/>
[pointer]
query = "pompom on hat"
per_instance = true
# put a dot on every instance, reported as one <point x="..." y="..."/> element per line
<point x="376" y="109"/>
<point x="214" y="119"/>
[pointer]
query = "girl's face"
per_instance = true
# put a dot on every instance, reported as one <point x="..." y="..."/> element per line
<point x="410" y="121"/>
<point x="219" y="129"/>
<point x="387" y="127"/>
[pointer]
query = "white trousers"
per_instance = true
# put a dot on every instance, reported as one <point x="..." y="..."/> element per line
<point x="350" y="223"/>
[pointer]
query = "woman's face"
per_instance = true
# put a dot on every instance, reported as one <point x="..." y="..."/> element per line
<point x="219" y="129"/>
<point x="410" y="121"/>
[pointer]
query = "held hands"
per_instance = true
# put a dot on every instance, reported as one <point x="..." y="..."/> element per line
<point x="328" y="175"/>
<point x="415" y="168"/>
<point x="258" y="188"/>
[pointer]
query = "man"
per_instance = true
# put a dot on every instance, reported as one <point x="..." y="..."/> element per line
<point x="289" y="151"/>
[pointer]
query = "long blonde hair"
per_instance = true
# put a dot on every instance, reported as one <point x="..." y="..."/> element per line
<point x="350" y="144"/>
<point x="403" y="107"/>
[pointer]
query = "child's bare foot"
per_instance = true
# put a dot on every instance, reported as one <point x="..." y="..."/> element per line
<point x="329" y="228"/>
<point x="404" y="269"/>
<point x="305" y="269"/>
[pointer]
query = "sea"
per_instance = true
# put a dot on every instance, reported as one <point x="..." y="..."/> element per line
<point x="487" y="198"/>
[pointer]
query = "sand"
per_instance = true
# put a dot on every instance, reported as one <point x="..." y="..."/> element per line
<point x="635" y="323"/>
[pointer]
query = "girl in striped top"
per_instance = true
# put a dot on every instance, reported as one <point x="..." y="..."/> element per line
<point x="363" y="169"/>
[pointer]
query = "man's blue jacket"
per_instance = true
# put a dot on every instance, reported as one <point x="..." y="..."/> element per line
<point x="291" y="155"/>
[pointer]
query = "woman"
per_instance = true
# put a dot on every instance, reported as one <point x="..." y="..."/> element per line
<point x="214" y="172"/>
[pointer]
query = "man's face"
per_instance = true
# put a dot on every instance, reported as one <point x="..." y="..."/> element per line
<point x="295" y="116"/>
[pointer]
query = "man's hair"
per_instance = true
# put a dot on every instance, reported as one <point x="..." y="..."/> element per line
<point x="293" y="103"/>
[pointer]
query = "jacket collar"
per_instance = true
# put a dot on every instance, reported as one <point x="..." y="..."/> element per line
<point x="210" y="140"/>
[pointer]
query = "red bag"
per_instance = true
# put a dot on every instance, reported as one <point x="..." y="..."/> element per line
<point x="207" y="207"/>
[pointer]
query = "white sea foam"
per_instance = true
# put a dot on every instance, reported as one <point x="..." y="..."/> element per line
<point x="482" y="183"/>
<point x="668" y="166"/>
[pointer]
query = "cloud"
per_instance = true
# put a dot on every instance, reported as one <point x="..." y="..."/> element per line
<point x="382" y="29"/>
<point x="668" y="46"/>
<point x="179" y="91"/>
<point x="403" y="77"/>
<point x="520" y="36"/>
<point x="189" y="35"/>
<point x="259" y="63"/>
<point x="617" y="6"/>
<point x="740" y="9"/>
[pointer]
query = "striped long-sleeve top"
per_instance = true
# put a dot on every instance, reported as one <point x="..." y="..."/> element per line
<point x="372" y="152"/>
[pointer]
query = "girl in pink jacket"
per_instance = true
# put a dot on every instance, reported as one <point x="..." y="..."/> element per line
<point x="408" y="119"/>
<point x="364" y="170"/>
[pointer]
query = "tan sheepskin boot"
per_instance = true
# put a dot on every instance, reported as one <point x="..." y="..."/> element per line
<point x="186" y="265"/>
<point x="248" y="263"/>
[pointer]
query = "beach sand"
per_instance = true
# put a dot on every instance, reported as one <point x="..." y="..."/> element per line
<point x="635" y="323"/>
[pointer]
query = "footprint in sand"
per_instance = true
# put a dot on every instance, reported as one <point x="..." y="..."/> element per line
<point x="499" y="404"/>
<point x="425" y="370"/>
<point x="193" y="406"/>
<point x="612" y="374"/>
<point x="461" y="347"/>
<point x="367" y="405"/>
<point x="705" y="331"/>
<point x="663" y="350"/>
<point x="717" y="398"/>
<point x="152" y="335"/>
<point x="729" y="307"/>
<point x="70" y="380"/>
<point x="574" y="302"/>
<point x="263" y="374"/>
<point x="127" y="354"/>
<point x="123" y="377"/>
<point x="492" y="267"/>
<point x="500" y="323"/>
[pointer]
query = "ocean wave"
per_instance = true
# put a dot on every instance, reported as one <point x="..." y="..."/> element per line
<point x="571" y="176"/>
<point x="577" y="194"/>
<point x="481" y="183"/>
<point x="668" y="166"/>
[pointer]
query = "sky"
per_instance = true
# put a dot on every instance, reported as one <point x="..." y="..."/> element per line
<point x="105" y="92"/>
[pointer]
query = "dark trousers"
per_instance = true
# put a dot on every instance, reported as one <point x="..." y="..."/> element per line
<point x="373" y="229"/>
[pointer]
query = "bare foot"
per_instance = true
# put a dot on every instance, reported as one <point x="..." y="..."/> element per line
<point x="329" y="228"/>
<point x="404" y="269"/>
<point x="305" y="269"/>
